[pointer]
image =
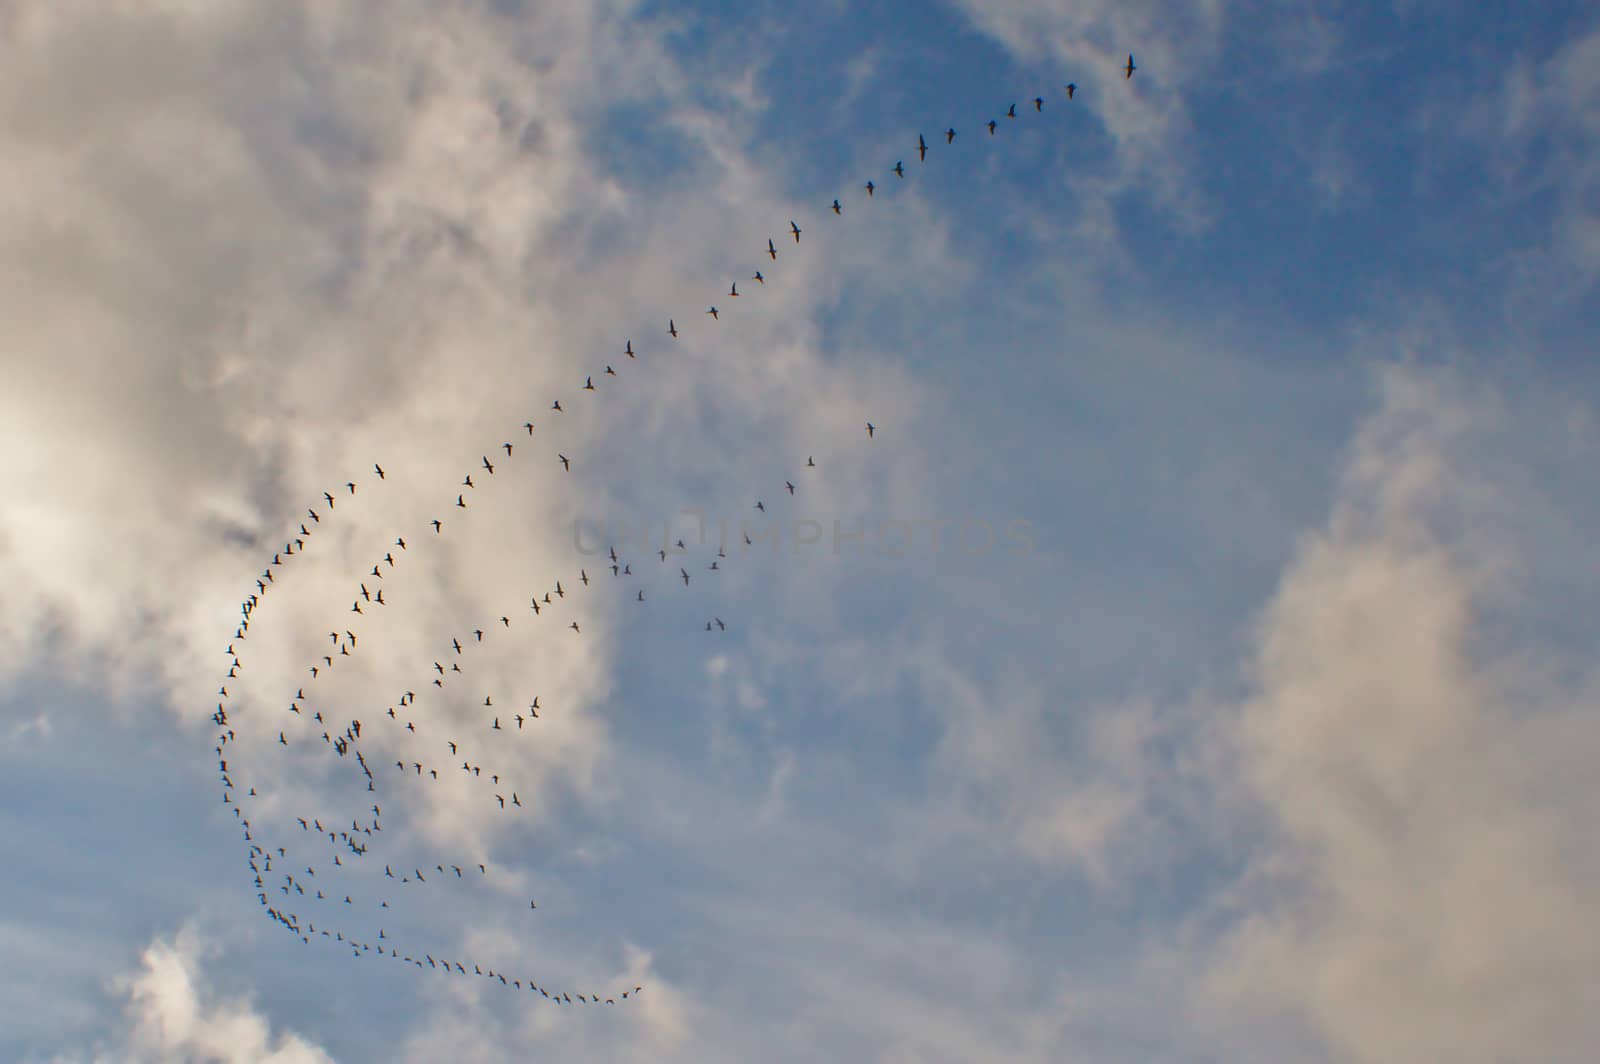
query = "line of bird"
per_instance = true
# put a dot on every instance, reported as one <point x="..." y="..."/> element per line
<point x="357" y="838"/>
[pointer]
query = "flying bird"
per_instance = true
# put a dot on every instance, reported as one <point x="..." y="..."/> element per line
<point x="566" y="463"/>
<point x="772" y="250"/>
<point x="922" y="149"/>
<point x="758" y="278"/>
<point x="628" y="350"/>
<point x="795" y="229"/>
<point x="870" y="187"/>
<point x="713" y="313"/>
<point x="378" y="469"/>
<point x="899" y="169"/>
<point x="949" y="136"/>
<point x="992" y="125"/>
<point x="836" y="208"/>
<point x="1072" y="88"/>
<point x="870" y="430"/>
<point x="1038" y="103"/>
<point x="672" y="328"/>
<point x="1130" y="67"/>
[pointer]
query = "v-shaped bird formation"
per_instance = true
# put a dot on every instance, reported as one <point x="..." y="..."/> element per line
<point x="316" y="874"/>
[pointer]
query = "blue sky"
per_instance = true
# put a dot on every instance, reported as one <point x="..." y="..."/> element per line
<point x="1274" y="743"/>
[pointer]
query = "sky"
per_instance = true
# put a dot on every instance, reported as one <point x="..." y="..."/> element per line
<point x="1196" y="664"/>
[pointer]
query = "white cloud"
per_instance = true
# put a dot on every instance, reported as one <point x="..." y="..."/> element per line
<point x="174" y="1013"/>
<point x="1424" y="886"/>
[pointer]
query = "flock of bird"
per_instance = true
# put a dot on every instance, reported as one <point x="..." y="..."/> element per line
<point x="396" y="743"/>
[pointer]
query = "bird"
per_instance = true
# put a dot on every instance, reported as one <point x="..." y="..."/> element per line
<point x="628" y="349"/>
<point x="1072" y="88"/>
<point x="566" y="463"/>
<point x="949" y="136"/>
<point x="870" y="430"/>
<point x="870" y="186"/>
<point x="588" y="384"/>
<point x="1130" y="67"/>
<point x="795" y="229"/>
<point x="529" y="426"/>
<point x="556" y="406"/>
<point x="583" y="575"/>
<point x="1038" y="103"/>
<point x="810" y="462"/>
<point x="772" y="251"/>
<point x="672" y="328"/>
<point x="574" y="627"/>
<point x="437" y="524"/>
<point x="899" y="169"/>
<point x="836" y="208"/>
<point x="507" y="446"/>
<point x="1011" y="112"/>
<point x="685" y="575"/>
<point x="461" y="502"/>
<point x="992" y="125"/>
<point x="713" y="313"/>
<point x="378" y="469"/>
<point x="720" y="625"/>
<point x="922" y="149"/>
<point x="734" y="291"/>
<point x="325" y="495"/>
<point x="401" y="543"/>
<point x="610" y="372"/>
<point x="758" y="278"/>
<point x="487" y="465"/>
<point x="790" y="486"/>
